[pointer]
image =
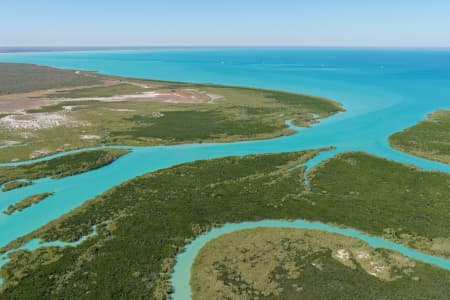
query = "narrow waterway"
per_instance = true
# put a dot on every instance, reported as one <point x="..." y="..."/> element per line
<point x="182" y="270"/>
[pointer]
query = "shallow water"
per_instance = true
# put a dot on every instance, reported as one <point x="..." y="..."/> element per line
<point x="383" y="91"/>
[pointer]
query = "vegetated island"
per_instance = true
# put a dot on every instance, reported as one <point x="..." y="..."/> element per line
<point x="15" y="184"/>
<point x="25" y="203"/>
<point x="66" y="110"/>
<point x="429" y="138"/>
<point x="286" y="263"/>
<point x="142" y="224"/>
<point x="60" y="167"/>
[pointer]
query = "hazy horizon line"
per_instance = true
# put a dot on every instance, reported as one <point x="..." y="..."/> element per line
<point x="51" y="48"/>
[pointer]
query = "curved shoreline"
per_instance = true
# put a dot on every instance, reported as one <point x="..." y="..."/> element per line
<point x="180" y="278"/>
<point x="399" y="140"/>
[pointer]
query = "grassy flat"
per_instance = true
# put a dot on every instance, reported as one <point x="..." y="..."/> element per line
<point x="281" y="263"/>
<point x="429" y="139"/>
<point x="22" y="78"/>
<point x="143" y="223"/>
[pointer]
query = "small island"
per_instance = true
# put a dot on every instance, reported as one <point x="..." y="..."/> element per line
<point x="58" y="167"/>
<point x="15" y="184"/>
<point x="25" y="203"/>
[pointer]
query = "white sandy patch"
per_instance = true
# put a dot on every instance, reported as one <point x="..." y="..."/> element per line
<point x="343" y="254"/>
<point x="213" y="97"/>
<point x="8" y="143"/>
<point x="121" y="109"/>
<point x="376" y="269"/>
<point x="37" y="121"/>
<point x="33" y="122"/>
<point x="344" y="257"/>
<point x="68" y="107"/>
<point x="89" y="137"/>
<point x="38" y="153"/>
<point x="157" y="114"/>
<point x="145" y="95"/>
<point x="362" y="255"/>
<point x="165" y="97"/>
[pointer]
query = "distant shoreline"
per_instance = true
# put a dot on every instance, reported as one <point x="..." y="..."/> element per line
<point x="27" y="49"/>
<point x="68" y="49"/>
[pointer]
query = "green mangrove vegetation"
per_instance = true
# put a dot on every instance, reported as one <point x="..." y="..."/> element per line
<point x="59" y="167"/>
<point x="282" y="263"/>
<point x="143" y="223"/>
<point x="15" y="184"/>
<point x="25" y="203"/>
<point x="429" y="138"/>
<point x="197" y="125"/>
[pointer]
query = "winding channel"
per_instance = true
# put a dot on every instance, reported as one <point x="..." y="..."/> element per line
<point x="181" y="275"/>
<point x="382" y="91"/>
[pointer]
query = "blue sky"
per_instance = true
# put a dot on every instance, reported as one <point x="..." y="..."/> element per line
<point x="382" y="23"/>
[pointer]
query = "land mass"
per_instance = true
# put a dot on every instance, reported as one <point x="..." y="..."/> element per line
<point x="284" y="263"/>
<point x="51" y="116"/>
<point x="132" y="254"/>
<point x="429" y="138"/>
